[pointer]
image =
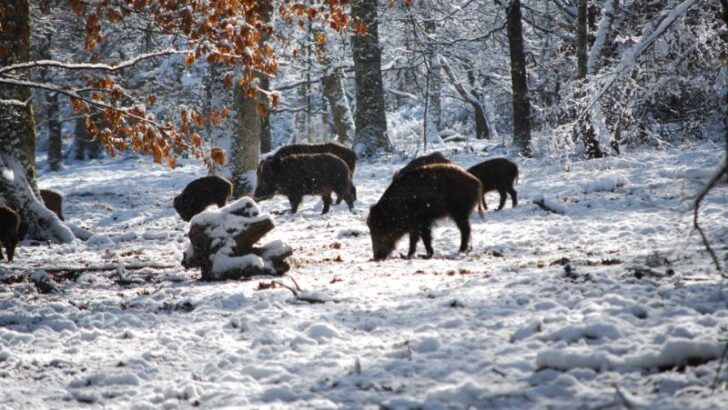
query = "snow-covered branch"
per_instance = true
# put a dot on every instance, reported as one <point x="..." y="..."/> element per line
<point x="90" y="66"/>
<point x="629" y="58"/>
<point x="16" y="103"/>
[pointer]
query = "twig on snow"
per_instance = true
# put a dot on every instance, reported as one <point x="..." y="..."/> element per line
<point x="713" y="181"/>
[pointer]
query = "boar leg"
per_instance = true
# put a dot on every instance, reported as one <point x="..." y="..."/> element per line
<point x="514" y="196"/>
<point x="10" y="248"/>
<point x="502" y="193"/>
<point x="464" y="226"/>
<point x="1" y="253"/>
<point x="485" y="205"/>
<point x="414" y="237"/>
<point x="426" y="233"/>
<point x="295" y="200"/>
<point x="327" y="202"/>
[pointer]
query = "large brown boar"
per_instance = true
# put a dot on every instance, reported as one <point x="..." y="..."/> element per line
<point x="433" y="158"/>
<point x="201" y="193"/>
<point x="417" y="199"/>
<point x="9" y="224"/>
<point x="53" y="201"/>
<point x="497" y="174"/>
<point x="305" y="174"/>
<point x="334" y="148"/>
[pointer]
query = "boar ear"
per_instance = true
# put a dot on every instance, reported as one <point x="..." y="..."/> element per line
<point x="275" y="163"/>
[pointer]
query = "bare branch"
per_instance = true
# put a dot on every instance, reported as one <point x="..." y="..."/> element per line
<point x="714" y="180"/>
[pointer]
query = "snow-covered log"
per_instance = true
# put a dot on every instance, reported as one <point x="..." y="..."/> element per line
<point x="222" y="243"/>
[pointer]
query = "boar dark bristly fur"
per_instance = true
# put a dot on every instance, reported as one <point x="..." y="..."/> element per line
<point x="201" y="193"/>
<point x="497" y="174"/>
<point x="417" y="199"/>
<point x="429" y="159"/>
<point x="334" y="148"/>
<point x="346" y="154"/>
<point x="305" y="174"/>
<point x="9" y="224"/>
<point x="53" y="201"/>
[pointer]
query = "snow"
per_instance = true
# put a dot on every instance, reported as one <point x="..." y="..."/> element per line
<point x="616" y="300"/>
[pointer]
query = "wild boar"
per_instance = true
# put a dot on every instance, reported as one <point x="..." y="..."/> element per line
<point x="334" y="148"/>
<point x="418" y="198"/>
<point x="53" y="201"/>
<point x="305" y="174"/>
<point x="201" y="193"/>
<point x="9" y="224"/>
<point x="497" y="174"/>
<point x="433" y="158"/>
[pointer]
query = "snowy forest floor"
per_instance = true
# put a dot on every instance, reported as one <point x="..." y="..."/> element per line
<point x="614" y="303"/>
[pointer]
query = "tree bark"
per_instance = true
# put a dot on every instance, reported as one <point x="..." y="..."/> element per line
<point x="332" y="83"/>
<point x="266" y="139"/>
<point x="582" y="43"/>
<point x="585" y="128"/>
<point x="244" y="152"/>
<point x="519" y="80"/>
<point x="17" y="133"/>
<point x="244" y="148"/>
<point x="55" y="139"/>
<point x="434" y="106"/>
<point x="85" y="146"/>
<point x="370" y="119"/>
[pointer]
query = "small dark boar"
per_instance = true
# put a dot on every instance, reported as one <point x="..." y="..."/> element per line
<point x="417" y="199"/>
<point x="201" y="193"/>
<point x="53" y="201"/>
<point x="434" y="158"/>
<point x="334" y="148"/>
<point x="497" y="174"/>
<point x="9" y="224"/>
<point x="305" y="174"/>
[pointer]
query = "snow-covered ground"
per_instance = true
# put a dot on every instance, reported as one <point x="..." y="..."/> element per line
<point x="612" y="301"/>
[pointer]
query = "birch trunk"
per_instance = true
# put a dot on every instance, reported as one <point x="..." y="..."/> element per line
<point x="370" y="118"/>
<point x="17" y="134"/>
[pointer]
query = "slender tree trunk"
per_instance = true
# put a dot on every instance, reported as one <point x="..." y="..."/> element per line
<point x="370" y="119"/>
<point x="333" y="87"/>
<point x="434" y="106"/>
<point x="17" y="133"/>
<point x="85" y="146"/>
<point x="585" y="128"/>
<point x="266" y="139"/>
<point x="332" y="84"/>
<point x="519" y="79"/>
<point x="582" y="43"/>
<point x="55" y="139"/>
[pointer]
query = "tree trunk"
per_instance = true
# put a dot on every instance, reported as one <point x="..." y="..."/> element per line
<point x="17" y="133"/>
<point x="370" y="119"/>
<point x="519" y="80"/>
<point x="85" y="146"/>
<point x="333" y="88"/>
<point x="266" y="139"/>
<point x="244" y="156"/>
<point x="585" y="128"/>
<point x="55" y="139"/>
<point x="434" y="106"/>
<point x="244" y="153"/>
<point x="582" y="42"/>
